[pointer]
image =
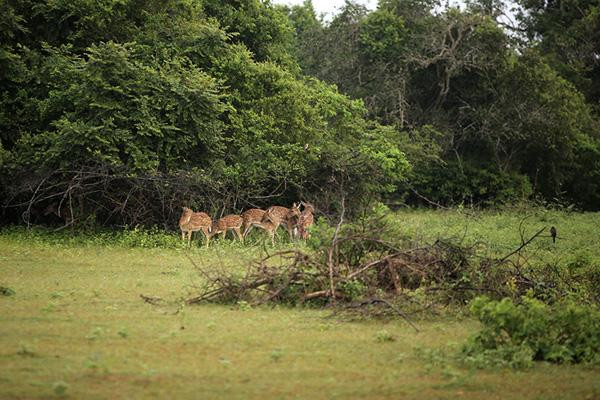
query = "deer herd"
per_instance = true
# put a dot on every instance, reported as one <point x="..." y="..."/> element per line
<point x="295" y="221"/>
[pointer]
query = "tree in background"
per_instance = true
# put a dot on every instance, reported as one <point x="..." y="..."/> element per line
<point x="486" y="117"/>
<point x="140" y="107"/>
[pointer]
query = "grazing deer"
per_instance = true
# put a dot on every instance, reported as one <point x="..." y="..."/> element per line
<point x="252" y="217"/>
<point x="270" y="228"/>
<point x="191" y="221"/>
<point x="282" y="215"/>
<point x="229" y="222"/>
<point x="306" y="220"/>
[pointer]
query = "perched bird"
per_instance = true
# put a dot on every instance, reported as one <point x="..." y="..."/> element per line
<point x="553" y="234"/>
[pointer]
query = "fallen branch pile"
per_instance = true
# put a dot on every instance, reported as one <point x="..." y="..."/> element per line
<point x="364" y="270"/>
<point x="293" y="276"/>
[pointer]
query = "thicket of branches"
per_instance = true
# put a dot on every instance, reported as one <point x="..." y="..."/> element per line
<point x="368" y="267"/>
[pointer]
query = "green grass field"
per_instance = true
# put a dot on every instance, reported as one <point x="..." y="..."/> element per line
<point x="77" y="327"/>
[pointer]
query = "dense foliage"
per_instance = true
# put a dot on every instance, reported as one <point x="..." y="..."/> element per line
<point x="517" y="334"/>
<point x="514" y="107"/>
<point x="120" y="112"/>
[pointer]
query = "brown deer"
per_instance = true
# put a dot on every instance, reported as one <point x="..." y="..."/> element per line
<point x="270" y="228"/>
<point x="191" y="221"/>
<point x="282" y="215"/>
<point x="306" y="220"/>
<point x="229" y="222"/>
<point x="252" y="217"/>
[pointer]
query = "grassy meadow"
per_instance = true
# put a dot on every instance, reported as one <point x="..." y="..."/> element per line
<point x="76" y="326"/>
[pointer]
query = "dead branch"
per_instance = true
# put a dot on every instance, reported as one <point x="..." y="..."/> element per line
<point x="151" y="300"/>
<point x="506" y="257"/>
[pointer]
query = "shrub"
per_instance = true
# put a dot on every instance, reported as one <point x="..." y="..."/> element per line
<point x="516" y="334"/>
<point x="454" y="183"/>
<point x="129" y="237"/>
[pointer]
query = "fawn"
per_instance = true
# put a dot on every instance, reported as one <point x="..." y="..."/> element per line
<point x="270" y="228"/>
<point x="282" y="215"/>
<point x="191" y="221"/>
<point x="306" y="220"/>
<point x="252" y="217"/>
<point x="229" y="222"/>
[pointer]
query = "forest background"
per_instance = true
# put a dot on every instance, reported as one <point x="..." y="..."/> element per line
<point x="123" y="111"/>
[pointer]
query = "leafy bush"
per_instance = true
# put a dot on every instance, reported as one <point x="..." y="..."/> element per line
<point x="128" y="237"/>
<point x="516" y="334"/>
<point x="454" y="183"/>
<point x="136" y="110"/>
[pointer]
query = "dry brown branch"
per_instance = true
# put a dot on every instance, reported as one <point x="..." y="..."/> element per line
<point x="523" y="244"/>
<point x="151" y="300"/>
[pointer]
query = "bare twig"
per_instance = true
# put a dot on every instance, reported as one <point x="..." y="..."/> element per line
<point x="506" y="257"/>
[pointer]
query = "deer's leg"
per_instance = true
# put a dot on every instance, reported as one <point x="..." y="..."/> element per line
<point x="272" y="233"/>
<point x="189" y="238"/>
<point x="247" y="229"/>
<point x="239" y="234"/>
<point x="206" y="235"/>
<point x="290" y="229"/>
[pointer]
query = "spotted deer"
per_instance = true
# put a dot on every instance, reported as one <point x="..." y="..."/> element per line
<point x="252" y="217"/>
<point x="191" y="221"/>
<point x="229" y="222"/>
<point x="270" y="228"/>
<point x="279" y="215"/>
<point x="306" y="220"/>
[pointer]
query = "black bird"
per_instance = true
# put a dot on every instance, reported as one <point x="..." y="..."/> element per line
<point x="553" y="234"/>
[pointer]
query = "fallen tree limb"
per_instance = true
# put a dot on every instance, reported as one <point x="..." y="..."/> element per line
<point x="151" y="300"/>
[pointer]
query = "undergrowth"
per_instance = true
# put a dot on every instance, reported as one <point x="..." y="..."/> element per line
<point x="127" y="237"/>
<point x="515" y="334"/>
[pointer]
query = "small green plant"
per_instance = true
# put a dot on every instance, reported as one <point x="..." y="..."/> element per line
<point x="432" y="357"/>
<point x="60" y="388"/>
<point x="95" y="363"/>
<point x="517" y="334"/>
<point x="353" y="288"/>
<point x="25" y="350"/>
<point x="244" y="305"/>
<point x="48" y="308"/>
<point x="95" y="334"/>
<point x="276" y="354"/>
<point x="384" y="336"/>
<point x="6" y="291"/>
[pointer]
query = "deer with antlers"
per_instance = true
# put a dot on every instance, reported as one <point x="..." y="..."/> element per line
<point x="191" y="221"/>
